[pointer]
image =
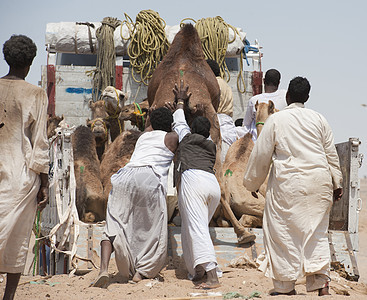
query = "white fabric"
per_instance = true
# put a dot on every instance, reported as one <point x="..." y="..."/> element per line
<point x="249" y="121"/>
<point x="150" y="150"/>
<point x="198" y="198"/>
<point x="313" y="283"/>
<point x="136" y="221"/>
<point x="226" y="98"/>
<point x="24" y="154"/>
<point x="299" y="144"/>
<point x="227" y="132"/>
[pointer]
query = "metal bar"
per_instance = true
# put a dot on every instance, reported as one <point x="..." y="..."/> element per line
<point x="332" y="249"/>
<point x="353" y="260"/>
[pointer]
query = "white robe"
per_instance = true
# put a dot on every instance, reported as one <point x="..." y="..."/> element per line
<point x="299" y="144"/>
<point x="198" y="198"/>
<point x="24" y="154"/>
<point x="136" y="218"/>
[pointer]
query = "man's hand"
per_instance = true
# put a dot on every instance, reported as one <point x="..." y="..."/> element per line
<point x="198" y="110"/>
<point x="151" y="109"/>
<point x="181" y="93"/>
<point x="338" y="193"/>
<point x="170" y="106"/>
<point x="42" y="198"/>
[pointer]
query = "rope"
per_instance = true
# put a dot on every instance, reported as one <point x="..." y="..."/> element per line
<point x="214" y="35"/>
<point x="148" y="44"/>
<point x="37" y="233"/>
<point x="104" y="74"/>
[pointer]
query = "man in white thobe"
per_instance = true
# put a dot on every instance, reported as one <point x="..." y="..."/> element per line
<point x="298" y="143"/>
<point x="24" y="160"/>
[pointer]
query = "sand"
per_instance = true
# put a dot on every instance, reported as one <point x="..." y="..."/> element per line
<point x="172" y="283"/>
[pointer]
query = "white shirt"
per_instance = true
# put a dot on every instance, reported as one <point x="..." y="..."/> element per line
<point x="278" y="98"/>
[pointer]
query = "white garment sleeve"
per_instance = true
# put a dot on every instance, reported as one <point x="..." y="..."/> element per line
<point x="250" y="115"/>
<point x="332" y="156"/>
<point x="179" y="124"/>
<point x="39" y="158"/>
<point x="260" y="158"/>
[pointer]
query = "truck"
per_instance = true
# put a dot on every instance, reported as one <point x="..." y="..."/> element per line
<point x="74" y="244"/>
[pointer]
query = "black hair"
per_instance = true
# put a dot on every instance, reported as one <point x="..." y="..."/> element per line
<point x="214" y="66"/>
<point x="299" y="89"/>
<point x="161" y="119"/>
<point x="201" y="125"/>
<point x="19" y="51"/>
<point x="272" y="77"/>
<point x="238" y="122"/>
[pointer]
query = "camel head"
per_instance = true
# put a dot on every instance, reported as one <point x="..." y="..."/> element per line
<point x="114" y="100"/>
<point x="99" y="129"/>
<point x="98" y="109"/>
<point x="52" y="123"/>
<point x="263" y="111"/>
<point x="134" y="112"/>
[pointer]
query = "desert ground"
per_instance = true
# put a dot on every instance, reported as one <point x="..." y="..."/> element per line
<point x="172" y="282"/>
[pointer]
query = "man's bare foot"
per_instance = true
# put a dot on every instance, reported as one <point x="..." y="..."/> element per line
<point x="137" y="277"/>
<point x="199" y="273"/>
<point x="324" y="291"/>
<point x="101" y="281"/>
<point x="291" y="293"/>
<point x="211" y="282"/>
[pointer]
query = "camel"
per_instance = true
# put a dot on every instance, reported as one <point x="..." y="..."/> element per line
<point x="114" y="100"/>
<point x="185" y="61"/>
<point x="117" y="156"/>
<point x="52" y="124"/>
<point x="90" y="203"/>
<point x="247" y="206"/>
<point x="132" y="113"/>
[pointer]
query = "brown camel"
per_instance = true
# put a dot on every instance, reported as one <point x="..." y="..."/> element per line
<point x="245" y="205"/>
<point x="132" y="113"/>
<point x="185" y="61"/>
<point x="117" y="156"/>
<point x="99" y="126"/>
<point x="89" y="191"/>
<point x="114" y="100"/>
<point x="52" y="124"/>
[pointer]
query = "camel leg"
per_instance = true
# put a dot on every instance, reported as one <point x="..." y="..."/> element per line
<point x="243" y="235"/>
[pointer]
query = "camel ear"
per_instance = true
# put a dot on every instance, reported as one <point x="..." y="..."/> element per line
<point x="271" y="107"/>
<point x="256" y="105"/>
<point x="90" y="103"/>
<point x="89" y="123"/>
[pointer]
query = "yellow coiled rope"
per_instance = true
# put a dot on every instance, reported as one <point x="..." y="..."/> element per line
<point x="148" y="44"/>
<point x="214" y="35"/>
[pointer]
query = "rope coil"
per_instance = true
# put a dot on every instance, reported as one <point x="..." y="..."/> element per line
<point x="148" y="44"/>
<point x="214" y="35"/>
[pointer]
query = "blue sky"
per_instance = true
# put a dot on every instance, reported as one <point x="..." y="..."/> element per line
<point x="324" y="41"/>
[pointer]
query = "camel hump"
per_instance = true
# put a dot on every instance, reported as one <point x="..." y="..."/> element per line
<point x="188" y="29"/>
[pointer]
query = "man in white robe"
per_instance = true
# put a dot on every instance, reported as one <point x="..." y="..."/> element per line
<point x="24" y="158"/>
<point x="298" y="143"/>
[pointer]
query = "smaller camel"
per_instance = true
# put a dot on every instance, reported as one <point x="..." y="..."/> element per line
<point x="89" y="191"/>
<point x="247" y="206"/>
<point x="136" y="113"/>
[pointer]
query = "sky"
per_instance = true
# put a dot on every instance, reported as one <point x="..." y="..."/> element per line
<point x="324" y="41"/>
